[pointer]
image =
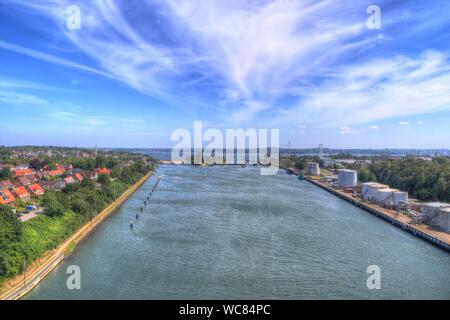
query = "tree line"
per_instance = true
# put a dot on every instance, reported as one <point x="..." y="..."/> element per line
<point x="65" y="212"/>
<point x="423" y="179"/>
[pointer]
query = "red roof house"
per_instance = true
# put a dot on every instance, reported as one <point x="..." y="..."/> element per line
<point x="26" y="180"/>
<point x="78" y="176"/>
<point x="36" y="189"/>
<point x="6" y="196"/>
<point x="90" y="174"/>
<point x="21" y="192"/>
<point x="102" y="171"/>
<point x="57" y="172"/>
<point x="22" y="172"/>
<point x="53" y="185"/>
<point x="6" y="184"/>
<point x="69" y="180"/>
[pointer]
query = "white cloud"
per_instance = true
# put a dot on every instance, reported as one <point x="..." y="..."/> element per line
<point x="254" y="50"/>
<point x="347" y="130"/>
<point x="403" y="123"/>
<point x="52" y="59"/>
<point x="21" y="99"/>
<point x="251" y="54"/>
<point x="376" y="90"/>
<point x="420" y="123"/>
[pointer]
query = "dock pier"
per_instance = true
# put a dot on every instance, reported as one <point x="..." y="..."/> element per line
<point x="438" y="238"/>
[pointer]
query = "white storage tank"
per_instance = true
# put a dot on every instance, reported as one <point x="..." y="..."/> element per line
<point x="444" y="220"/>
<point x="384" y="196"/>
<point x="373" y="189"/>
<point x="432" y="209"/>
<point x="399" y="196"/>
<point x="365" y="187"/>
<point x="431" y="213"/>
<point x="347" y="178"/>
<point x="312" y="169"/>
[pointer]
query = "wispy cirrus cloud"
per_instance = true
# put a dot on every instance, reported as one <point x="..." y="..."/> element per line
<point x="21" y="99"/>
<point x="256" y="50"/>
<point x="376" y="90"/>
<point x="291" y="60"/>
<point x="50" y="58"/>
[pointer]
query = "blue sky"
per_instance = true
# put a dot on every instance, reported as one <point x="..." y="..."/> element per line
<point x="137" y="70"/>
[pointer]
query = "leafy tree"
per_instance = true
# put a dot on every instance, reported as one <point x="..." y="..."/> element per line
<point x="5" y="173"/>
<point x="88" y="184"/>
<point x="36" y="164"/>
<point x="10" y="227"/>
<point x="103" y="179"/>
<point x="52" y="205"/>
<point x="100" y="161"/>
<point x="365" y="175"/>
<point x="425" y="180"/>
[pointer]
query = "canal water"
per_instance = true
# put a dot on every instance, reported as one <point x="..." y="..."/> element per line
<point x="229" y="233"/>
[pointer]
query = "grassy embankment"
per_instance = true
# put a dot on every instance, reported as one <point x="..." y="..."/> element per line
<point x="23" y="243"/>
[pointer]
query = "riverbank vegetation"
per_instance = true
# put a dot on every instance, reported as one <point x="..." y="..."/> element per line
<point x="426" y="180"/>
<point x="299" y="162"/>
<point x="65" y="212"/>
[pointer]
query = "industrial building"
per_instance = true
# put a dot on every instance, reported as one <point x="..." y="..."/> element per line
<point x="399" y="197"/>
<point x="444" y="219"/>
<point x="347" y="178"/>
<point x="437" y="215"/>
<point x="382" y="194"/>
<point x="365" y="186"/>
<point x="312" y="169"/>
<point x="372" y="190"/>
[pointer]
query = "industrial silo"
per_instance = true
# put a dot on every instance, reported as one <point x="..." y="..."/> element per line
<point x="373" y="189"/>
<point x="347" y="178"/>
<point x="365" y="186"/>
<point x="431" y="212"/>
<point x="312" y="169"/>
<point x="384" y="196"/>
<point x="444" y="219"/>
<point x="399" y="196"/>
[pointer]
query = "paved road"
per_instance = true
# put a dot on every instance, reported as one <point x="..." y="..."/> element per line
<point x="30" y="283"/>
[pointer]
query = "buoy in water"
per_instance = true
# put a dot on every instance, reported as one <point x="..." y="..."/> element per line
<point x="137" y="216"/>
<point x="131" y="224"/>
<point x="142" y="209"/>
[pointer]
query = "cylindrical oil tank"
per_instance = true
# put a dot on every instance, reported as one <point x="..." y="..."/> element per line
<point x="365" y="187"/>
<point x="373" y="189"/>
<point x="384" y="195"/>
<point x="312" y="169"/>
<point x="444" y="221"/>
<point x="347" y="178"/>
<point x="431" y="210"/>
<point x="398" y="196"/>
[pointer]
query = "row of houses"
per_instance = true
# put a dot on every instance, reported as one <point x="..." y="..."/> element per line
<point x="8" y="196"/>
<point x="27" y="182"/>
